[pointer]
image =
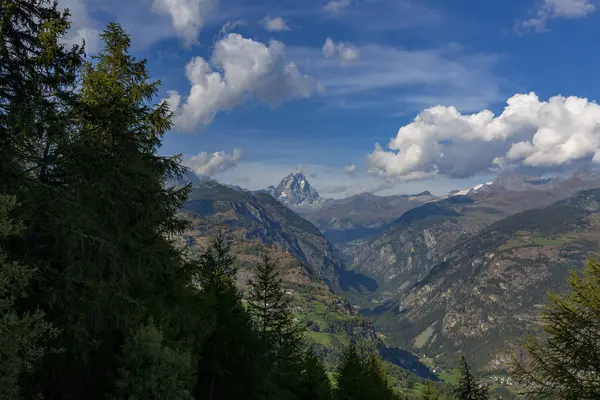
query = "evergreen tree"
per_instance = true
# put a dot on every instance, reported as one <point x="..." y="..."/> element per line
<point x="283" y="339"/>
<point x="362" y="376"/>
<point x="37" y="77"/>
<point x="110" y="263"/>
<point x="151" y="370"/>
<point x="430" y="392"/>
<point x="566" y="364"/>
<point x="467" y="387"/>
<point x="314" y="383"/>
<point x="227" y="358"/>
<point x="23" y="335"/>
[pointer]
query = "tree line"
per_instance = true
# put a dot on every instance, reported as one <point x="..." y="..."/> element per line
<point x="96" y="299"/>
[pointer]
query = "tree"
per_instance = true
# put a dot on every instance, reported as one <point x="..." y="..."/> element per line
<point x="151" y="370"/>
<point x="566" y="364"/>
<point x="314" y="382"/>
<point x="227" y="357"/>
<point x="362" y="376"/>
<point x="109" y="262"/>
<point x="283" y="339"/>
<point x="37" y="80"/>
<point x="23" y="335"/>
<point x="430" y="392"/>
<point x="467" y="387"/>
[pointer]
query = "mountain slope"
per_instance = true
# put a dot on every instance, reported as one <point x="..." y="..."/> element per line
<point x="259" y="217"/>
<point x="407" y="249"/>
<point x="257" y="223"/>
<point x="488" y="290"/>
<point x="346" y="222"/>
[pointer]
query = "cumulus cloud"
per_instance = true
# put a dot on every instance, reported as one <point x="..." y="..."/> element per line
<point x="551" y="9"/>
<point x="350" y="170"/>
<point x="239" y="68"/>
<point x="209" y="164"/>
<point x="336" y="6"/>
<point x="187" y="16"/>
<point x="276" y="24"/>
<point x="83" y="28"/>
<point x="344" y="52"/>
<point x="529" y="133"/>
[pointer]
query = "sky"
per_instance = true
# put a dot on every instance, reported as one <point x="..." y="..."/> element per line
<point x="381" y="96"/>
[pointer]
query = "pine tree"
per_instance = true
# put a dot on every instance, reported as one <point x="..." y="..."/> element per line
<point x="23" y="335"/>
<point x="362" y="375"/>
<point x="314" y="383"/>
<point x="37" y="79"/>
<point x="430" y="392"/>
<point x="566" y="364"/>
<point x="110" y="263"/>
<point x="227" y="358"/>
<point x="283" y="339"/>
<point x="467" y="387"/>
<point x="151" y="370"/>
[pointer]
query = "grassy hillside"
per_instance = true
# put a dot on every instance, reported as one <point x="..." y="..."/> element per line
<point x="487" y="292"/>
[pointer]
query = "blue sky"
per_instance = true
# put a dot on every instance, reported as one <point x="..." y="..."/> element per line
<point x="264" y="88"/>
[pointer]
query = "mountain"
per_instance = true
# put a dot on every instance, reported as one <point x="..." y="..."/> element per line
<point x="259" y="217"/>
<point x="188" y="177"/>
<point x="350" y="221"/>
<point x="409" y="247"/>
<point x="487" y="291"/>
<point x="295" y="191"/>
<point x="257" y="223"/>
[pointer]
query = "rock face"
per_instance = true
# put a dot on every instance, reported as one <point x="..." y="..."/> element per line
<point x="295" y="191"/>
<point x="410" y="246"/>
<point x="487" y="290"/>
<point x="259" y="217"/>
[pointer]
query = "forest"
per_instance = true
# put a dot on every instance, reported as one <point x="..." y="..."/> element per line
<point x="97" y="301"/>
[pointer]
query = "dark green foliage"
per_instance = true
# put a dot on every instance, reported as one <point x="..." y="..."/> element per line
<point x="314" y="382"/>
<point x="23" y="335"/>
<point x="152" y="370"/>
<point x="467" y="387"/>
<point x="228" y="357"/>
<point x="566" y="364"/>
<point x="282" y="337"/>
<point x="362" y="376"/>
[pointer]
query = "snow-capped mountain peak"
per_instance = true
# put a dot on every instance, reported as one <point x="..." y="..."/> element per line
<point x="294" y="190"/>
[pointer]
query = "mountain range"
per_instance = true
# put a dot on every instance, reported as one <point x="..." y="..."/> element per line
<point x="436" y="275"/>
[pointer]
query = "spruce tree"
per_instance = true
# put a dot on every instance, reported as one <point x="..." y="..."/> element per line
<point x="362" y="375"/>
<point x="152" y="370"/>
<point x="110" y="263"/>
<point x="430" y="392"/>
<point x="314" y="383"/>
<point x="283" y="339"/>
<point x="23" y="335"/>
<point x="467" y="387"/>
<point x="227" y="357"/>
<point x="566" y="363"/>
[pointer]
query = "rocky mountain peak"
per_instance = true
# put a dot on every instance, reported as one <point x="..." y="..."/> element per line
<point x="294" y="190"/>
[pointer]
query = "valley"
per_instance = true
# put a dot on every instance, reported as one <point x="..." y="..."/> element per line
<point x="438" y="276"/>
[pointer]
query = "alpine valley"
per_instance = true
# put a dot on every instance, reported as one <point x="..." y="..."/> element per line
<point x="423" y="278"/>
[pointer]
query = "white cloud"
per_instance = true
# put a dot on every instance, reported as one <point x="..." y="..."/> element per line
<point x="344" y="52"/>
<point x="276" y="24"/>
<point x="82" y="26"/>
<point x="350" y="170"/>
<point x="187" y="16"/>
<point x="529" y="133"/>
<point x="551" y="9"/>
<point x="209" y="164"/>
<point x="336" y="6"/>
<point x="239" y="68"/>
